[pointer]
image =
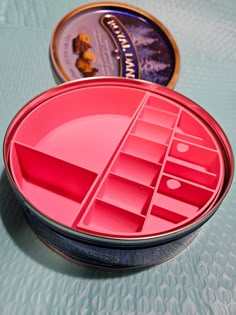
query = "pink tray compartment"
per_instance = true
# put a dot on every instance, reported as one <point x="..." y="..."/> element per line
<point x="116" y="161"/>
<point x="126" y="194"/>
<point x="184" y="191"/>
<point x="74" y="133"/>
<point x="152" y="132"/>
<point x="77" y="104"/>
<point x="157" y="224"/>
<point x="167" y="215"/>
<point x="136" y="169"/>
<point x="162" y="104"/>
<point x="158" y="117"/>
<point x="189" y="126"/>
<point x="54" y="186"/>
<point x="173" y="204"/>
<point x="195" y="175"/>
<point x="145" y="149"/>
<point x="105" y="217"/>
<point x="207" y="159"/>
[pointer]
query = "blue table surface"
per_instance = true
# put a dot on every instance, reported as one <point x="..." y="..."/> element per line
<point x="200" y="280"/>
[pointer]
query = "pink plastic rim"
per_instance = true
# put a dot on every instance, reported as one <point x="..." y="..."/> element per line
<point x="110" y="158"/>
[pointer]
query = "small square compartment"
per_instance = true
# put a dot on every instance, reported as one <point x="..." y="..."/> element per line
<point x="158" y="117"/>
<point x="105" y="217"/>
<point x="136" y="169"/>
<point x="145" y="149"/>
<point x="152" y="131"/>
<point x="126" y="194"/>
<point x="161" y="103"/>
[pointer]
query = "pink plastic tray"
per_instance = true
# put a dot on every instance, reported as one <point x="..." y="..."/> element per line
<point x="116" y="161"/>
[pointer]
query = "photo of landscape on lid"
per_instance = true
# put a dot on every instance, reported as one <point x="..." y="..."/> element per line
<point x="109" y="39"/>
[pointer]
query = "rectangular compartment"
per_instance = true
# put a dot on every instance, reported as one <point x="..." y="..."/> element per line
<point x="105" y="217"/>
<point x="158" y="117"/>
<point x="207" y="159"/>
<point x="152" y="131"/>
<point x="145" y="149"/>
<point x="136" y="169"/>
<point x="172" y="204"/>
<point x="167" y="215"/>
<point x="188" y="125"/>
<point x="194" y="175"/>
<point x="184" y="191"/>
<point x="55" y="187"/>
<point x="161" y="103"/>
<point x="126" y="194"/>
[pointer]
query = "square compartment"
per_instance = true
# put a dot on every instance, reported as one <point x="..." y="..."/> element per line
<point x="104" y="217"/>
<point x="152" y="132"/>
<point x="126" y="194"/>
<point x="145" y="149"/>
<point x="158" y="117"/>
<point x="136" y="169"/>
<point x="161" y="103"/>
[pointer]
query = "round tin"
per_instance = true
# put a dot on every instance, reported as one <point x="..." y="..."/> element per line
<point x="113" y="39"/>
<point x="121" y="174"/>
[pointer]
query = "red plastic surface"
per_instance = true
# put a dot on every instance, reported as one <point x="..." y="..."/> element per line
<point x="116" y="161"/>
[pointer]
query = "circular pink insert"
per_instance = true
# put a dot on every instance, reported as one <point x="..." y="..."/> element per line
<point x="116" y="160"/>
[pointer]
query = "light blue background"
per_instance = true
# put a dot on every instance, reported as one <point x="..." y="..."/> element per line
<point x="202" y="279"/>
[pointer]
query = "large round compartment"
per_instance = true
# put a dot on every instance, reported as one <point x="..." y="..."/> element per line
<point x="117" y="173"/>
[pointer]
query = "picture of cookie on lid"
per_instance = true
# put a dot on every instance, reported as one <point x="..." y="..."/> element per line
<point x="109" y="39"/>
<point x="81" y="47"/>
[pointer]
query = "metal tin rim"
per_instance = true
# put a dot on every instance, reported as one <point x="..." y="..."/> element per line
<point x="53" y="44"/>
<point x="162" y="238"/>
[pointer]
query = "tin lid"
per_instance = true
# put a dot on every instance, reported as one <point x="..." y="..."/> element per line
<point x="112" y="39"/>
<point x="115" y="166"/>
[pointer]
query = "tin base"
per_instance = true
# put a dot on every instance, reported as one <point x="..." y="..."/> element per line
<point x="97" y="257"/>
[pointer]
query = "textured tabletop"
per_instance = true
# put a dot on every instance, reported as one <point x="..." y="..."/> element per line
<point x="200" y="280"/>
